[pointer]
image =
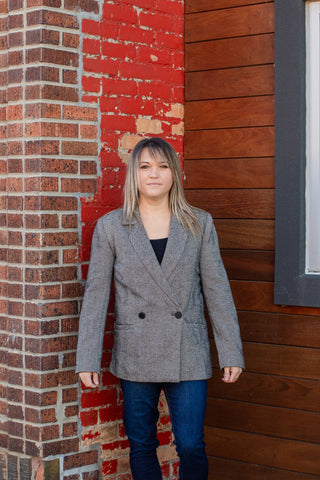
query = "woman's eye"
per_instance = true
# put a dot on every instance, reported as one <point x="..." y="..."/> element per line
<point x="164" y="165"/>
<point x="143" y="167"/>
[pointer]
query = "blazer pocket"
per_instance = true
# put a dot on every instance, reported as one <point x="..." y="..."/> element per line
<point x="123" y="326"/>
<point x="200" y="333"/>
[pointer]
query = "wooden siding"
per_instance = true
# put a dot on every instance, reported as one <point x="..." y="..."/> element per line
<point x="266" y="426"/>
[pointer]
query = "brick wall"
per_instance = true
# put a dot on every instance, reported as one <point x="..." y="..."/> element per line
<point x="81" y="82"/>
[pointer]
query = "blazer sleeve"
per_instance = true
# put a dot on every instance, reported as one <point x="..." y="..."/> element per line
<point x="95" y="302"/>
<point x="219" y="301"/>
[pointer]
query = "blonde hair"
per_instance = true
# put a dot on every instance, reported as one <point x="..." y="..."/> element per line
<point x="159" y="149"/>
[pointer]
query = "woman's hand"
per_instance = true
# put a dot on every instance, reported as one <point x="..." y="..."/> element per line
<point x="231" y="374"/>
<point x="89" y="379"/>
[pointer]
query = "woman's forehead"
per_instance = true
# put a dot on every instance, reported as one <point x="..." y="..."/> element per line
<point x="148" y="154"/>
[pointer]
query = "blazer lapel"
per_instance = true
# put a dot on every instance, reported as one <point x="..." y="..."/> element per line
<point x="142" y="245"/>
<point x="176" y="242"/>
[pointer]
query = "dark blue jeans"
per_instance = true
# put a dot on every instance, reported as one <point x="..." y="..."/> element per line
<point x="187" y="405"/>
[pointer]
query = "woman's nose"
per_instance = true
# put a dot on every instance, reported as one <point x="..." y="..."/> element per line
<point x="154" y="172"/>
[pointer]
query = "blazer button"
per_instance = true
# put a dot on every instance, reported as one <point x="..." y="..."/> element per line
<point x="178" y="315"/>
<point x="142" y="315"/>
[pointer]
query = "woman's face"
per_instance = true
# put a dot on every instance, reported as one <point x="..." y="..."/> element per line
<point x="155" y="177"/>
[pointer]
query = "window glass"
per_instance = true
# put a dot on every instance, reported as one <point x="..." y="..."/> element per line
<point x="312" y="137"/>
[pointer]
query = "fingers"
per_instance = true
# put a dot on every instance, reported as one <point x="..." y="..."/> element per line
<point x="89" y="379"/>
<point x="231" y="374"/>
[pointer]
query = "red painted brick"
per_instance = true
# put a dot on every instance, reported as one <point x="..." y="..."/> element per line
<point x="91" y="84"/>
<point x="90" y="27"/>
<point x="108" y="104"/>
<point x="99" y="65"/>
<point x="124" y="123"/>
<point x="109" y="467"/>
<point x="120" y="12"/>
<point x="157" y="90"/>
<point x="158" y="21"/>
<point x="110" y="414"/>
<point x="136" y="106"/>
<point x="119" y="50"/>
<point x="91" y="46"/>
<point x="153" y="55"/>
<point x="147" y="4"/>
<point x="169" y="40"/>
<point x="173" y="7"/>
<point x="134" y="33"/>
<point x="88" y="417"/>
<point x="97" y="398"/>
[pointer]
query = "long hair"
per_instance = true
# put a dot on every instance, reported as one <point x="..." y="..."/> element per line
<point x="159" y="149"/>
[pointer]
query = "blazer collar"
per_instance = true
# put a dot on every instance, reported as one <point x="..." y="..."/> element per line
<point x="175" y="245"/>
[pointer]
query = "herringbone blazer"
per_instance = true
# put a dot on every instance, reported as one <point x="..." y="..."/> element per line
<point x="160" y="331"/>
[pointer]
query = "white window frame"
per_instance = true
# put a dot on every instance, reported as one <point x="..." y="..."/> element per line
<point x="313" y="137"/>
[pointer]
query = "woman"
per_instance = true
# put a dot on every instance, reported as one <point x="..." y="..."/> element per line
<point x="164" y="258"/>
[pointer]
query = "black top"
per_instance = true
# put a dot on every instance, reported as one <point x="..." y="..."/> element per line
<point x="159" y="246"/>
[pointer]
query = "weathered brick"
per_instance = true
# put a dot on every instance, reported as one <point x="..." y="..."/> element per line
<point x="15" y="39"/>
<point x="33" y="92"/>
<point x="49" y="3"/>
<point x="86" y="6"/>
<point x="69" y="360"/>
<point x="60" y="57"/>
<point x="14" y="130"/>
<point x="70" y="395"/>
<point x="71" y="411"/>
<point x="15" y="5"/>
<point x="14" y="394"/>
<point x="91" y="475"/>
<point x="80" y="459"/>
<point x="79" y="148"/>
<point x="71" y="477"/>
<point x="79" y="113"/>
<point x="70" y="256"/>
<point x="43" y="73"/>
<point x="60" y="447"/>
<point x="70" y="76"/>
<point x="32" y="449"/>
<point x="15" y="411"/>
<point x="70" y="40"/>
<point x="70" y="429"/>
<point x="69" y="325"/>
<point x="58" y="93"/>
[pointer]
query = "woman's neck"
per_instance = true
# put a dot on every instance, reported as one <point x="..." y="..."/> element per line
<point x="156" y="218"/>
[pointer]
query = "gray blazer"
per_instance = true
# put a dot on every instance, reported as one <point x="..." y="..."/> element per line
<point x="160" y="332"/>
